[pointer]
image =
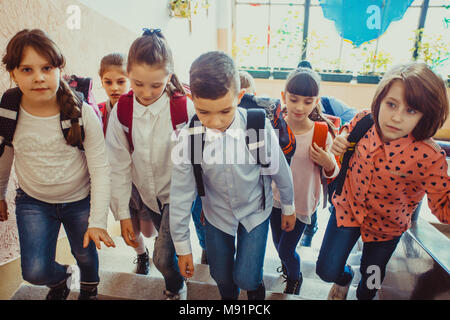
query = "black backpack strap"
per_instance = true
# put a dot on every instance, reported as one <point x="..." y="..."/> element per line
<point x="360" y="129"/>
<point x="197" y="138"/>
<point x="255" y="139"/>
<point x="256" y="142"/>
<point x="9" y="114"/>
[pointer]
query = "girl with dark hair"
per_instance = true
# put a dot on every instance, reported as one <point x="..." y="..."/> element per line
<point x="394" y="164"/>
<point x="145" y="159"/>
<point x="63" y="177"/>
<point x="301" y="97"/>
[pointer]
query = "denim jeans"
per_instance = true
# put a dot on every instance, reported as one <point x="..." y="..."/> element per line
<point x="199" y="227"/>
<point x="311" y="228"/>
<point x="38" y="224"/>
<point x="336" y="247"/>
<point x="286" y="243"/>
<point x="164" y="256"/>
<point x="246" y="271"/>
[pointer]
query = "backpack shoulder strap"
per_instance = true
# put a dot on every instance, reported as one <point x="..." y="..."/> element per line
<point x="360" y="129"/>
<point x="196" y="139"/>
<point x="178" y="110"/>
<point x="9" y="114"/>
<point x="125" y="116"/>
<point x="320" y="134"/>
<point x="256" y="142"/>
<point x="255" y="139"/>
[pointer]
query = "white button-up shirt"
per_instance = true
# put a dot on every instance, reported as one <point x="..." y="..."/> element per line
<point x="149" y="167"/>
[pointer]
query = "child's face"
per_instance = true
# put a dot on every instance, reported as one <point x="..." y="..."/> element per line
<point x="148" y="82"/>
<point x="115" y="83"/>
<point x="299" y="107"/>
<point x="217" y="114"/>
<point x="36" y="77"/>
<point x="396" y="119"/>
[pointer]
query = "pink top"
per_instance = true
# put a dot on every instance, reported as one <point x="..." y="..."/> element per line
<point x="386" y="181"/>
<point x="306" y="176"/>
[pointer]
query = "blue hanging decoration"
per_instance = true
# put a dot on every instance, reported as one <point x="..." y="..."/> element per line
<point x="360" y="21"/>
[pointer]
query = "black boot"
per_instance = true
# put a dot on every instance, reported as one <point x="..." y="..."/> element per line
<point x="258" y="294"/>
<point x="293" y="286"/>
<point x="88" y="292"/>
<point x="143" y="263"/>
<point x="59" y="291"/>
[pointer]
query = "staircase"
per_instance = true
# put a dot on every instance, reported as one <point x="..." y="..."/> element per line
<point x="119" y="282"/>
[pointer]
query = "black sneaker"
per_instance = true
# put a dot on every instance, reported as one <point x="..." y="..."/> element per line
<point x="58" y="292"/>
<point x="88" y="293"/>
<point x="204" y="257"/>
<point x="143" y="263"/>
<point x="293" y="286"/>
<point x="282" y="269"/>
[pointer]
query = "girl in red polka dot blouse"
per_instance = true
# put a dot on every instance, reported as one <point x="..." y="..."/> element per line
<point x="394" y="164"/>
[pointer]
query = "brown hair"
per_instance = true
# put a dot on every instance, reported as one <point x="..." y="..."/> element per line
<point x="212" y="75"/>
<point x="152" y="48"/>
<point x="112" y="60"/>
<point x="424" y="92"/>
<point x="68" y="102"/>
<point x="247" y="82"/>
<point x="306" y="82"/>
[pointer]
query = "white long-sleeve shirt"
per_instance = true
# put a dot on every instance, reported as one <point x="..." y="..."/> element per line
<point x="50" y="170"/>
<point x="149" y="167"/>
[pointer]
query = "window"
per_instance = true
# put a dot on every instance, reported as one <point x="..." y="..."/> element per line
<point x="269" y="33"/>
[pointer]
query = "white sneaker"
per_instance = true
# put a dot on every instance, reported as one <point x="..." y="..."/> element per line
<point x="180" y="295"/>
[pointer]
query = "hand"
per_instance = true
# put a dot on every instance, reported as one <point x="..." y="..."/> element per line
<point x="340" y="144"/>
<point x="3" y="211"/>
<point x="126" y="227"/>
<point x="186" y="265"/>
<point x="322" y="157"/>
<point x="97" y="235"/>
<point x="288" y="222"/>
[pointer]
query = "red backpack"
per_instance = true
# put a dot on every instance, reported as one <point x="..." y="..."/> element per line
<point x="178" y="113"/>
<point x="320" y="138"/>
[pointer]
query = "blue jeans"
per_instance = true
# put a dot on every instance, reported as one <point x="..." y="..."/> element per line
<point x="246" y="271"/>
<point x="199" y="227"/>
<point x="336" y="247"/>
<point x="164" y="256"/>
<point x="38" y="224"/>
<point x="286" y="243"/>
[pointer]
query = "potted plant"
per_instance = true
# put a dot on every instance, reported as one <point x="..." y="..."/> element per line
<point x="374" y="66"/>
<point x="258" y="72"/>
<point x="281" y="73"/>
<point x="335" y="74"/>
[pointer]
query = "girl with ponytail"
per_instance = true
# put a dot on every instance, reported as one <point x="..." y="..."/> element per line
<point x="61" y="167"/>
<point x="140" y="155"/>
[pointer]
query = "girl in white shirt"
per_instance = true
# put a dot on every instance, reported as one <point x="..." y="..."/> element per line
<point x="147" y="162"/>
<point x="114" y="77"/>
<point x="301" y="97"/>
<point x="62" y="178"/>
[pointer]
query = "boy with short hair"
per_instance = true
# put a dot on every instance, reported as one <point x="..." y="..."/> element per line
<point x="237" y="198"/>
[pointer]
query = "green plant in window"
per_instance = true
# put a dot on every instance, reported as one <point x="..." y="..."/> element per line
<point x="376" y="62"/>
<point x="433" y="50"/>
<point x="287" y="40"/>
